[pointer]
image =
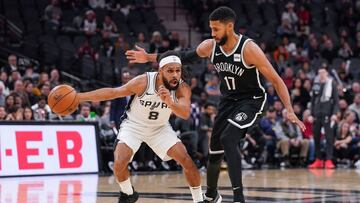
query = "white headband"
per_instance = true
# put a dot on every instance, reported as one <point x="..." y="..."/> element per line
<point x="169" y="59"/>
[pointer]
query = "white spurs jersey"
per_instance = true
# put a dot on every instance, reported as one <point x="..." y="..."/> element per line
<point x="148" y="109"/>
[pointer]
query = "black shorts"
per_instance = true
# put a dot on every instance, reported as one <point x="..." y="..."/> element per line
<point x="242" y="113"/>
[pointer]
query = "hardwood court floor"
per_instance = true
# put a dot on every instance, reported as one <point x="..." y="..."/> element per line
<point x="293" y="185"/>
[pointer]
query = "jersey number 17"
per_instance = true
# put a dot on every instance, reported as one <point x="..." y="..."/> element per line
<point x="230" y="82"/>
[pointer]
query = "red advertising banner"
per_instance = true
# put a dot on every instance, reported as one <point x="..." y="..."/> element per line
<point x="47" y="149"/>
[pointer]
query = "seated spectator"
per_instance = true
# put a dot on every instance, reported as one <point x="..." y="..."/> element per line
<point x="345" y="51"/>
<point x="9" y="102"/>
<point x="4" y="80"/>
<point x="20" y="91"/>
<point x="281" y="51"/>
<point x="87" y="49"/>
<point x="45" y="89"/>
<point x="89" y="24"/>
<point x="3" y="113"/>
<point x="267" y="124"/>
<point x="29" y="88"/>
<point x="53" y="25"/>
<point x="97" y="4"/>
<point x="155" y="42"/>
<point x="205" y="129"/>
<point x="329" y="51"/>
<point x="254" y="147"/>
<point x="141" y="42"/>
<point x="109" y="26"/>
<point x="121" y="44"/>
<point x="286" y="28"/>
<point x="2" y="94"/>
<point x="30" y="74"/>
<point x="350" y="118"/>
<point x="28" y="114"/>
<point x="289" y="46"/>
<point x="52" y="9"/>
<point x="18" y="100"/>
<point x="107" y="49"/>
<point x="278" y="106"/>
<point x="174" y="40"/>
<point x="342" y="142"/>
<point x="85" y="113"/>
<point x="212" y="87"/>
<point x="15" y="75"/>
<point x="54" y="78"/>
<point x="343" y="107"/>
<point x="15" y="114"/>
<point x="289" y="77"/>
<point x="12" y="64"/>
<point x="195" y="89"/>
<point x="289" y="14"/>
<point x="41" y="110"/>
<point x="304" y="14"/>
<point x="289" y="136"/>
<point x="271" y="95"/>
<point x="188" y="136"/>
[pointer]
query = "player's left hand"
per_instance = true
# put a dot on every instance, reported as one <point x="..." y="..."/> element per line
<point x="164" y="94"/>
<point x="294" y="119"/>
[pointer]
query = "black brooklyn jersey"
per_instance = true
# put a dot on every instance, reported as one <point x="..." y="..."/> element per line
<point x="238" y="80"/>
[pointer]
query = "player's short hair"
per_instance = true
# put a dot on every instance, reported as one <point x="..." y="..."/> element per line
<point x="223" y="14"/>
<point x="168" y="53"/>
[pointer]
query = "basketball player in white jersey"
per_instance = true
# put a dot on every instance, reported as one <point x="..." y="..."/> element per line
<point x="155" y="95"/>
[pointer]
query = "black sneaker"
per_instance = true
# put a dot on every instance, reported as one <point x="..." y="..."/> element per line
<point x="217" y="199"/>
<point x="125" y="198"/>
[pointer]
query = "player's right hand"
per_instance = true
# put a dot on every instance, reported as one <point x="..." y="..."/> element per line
<point x="138" y="55"/>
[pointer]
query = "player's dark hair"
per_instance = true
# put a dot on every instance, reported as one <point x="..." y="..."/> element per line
<point x="168" y="53"/>
<point x="223" y="14"/>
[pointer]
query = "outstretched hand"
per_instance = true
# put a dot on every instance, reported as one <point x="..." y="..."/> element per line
<point x="136" y="56"/>
<point x="294" y="119"/>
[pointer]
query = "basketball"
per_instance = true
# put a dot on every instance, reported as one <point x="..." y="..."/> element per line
<point x="63" y="100"/>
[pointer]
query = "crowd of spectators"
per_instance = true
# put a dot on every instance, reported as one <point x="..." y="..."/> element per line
<point x="297" y="50"/>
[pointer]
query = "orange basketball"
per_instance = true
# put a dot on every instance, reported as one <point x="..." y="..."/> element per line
<point x="63" y="100"/>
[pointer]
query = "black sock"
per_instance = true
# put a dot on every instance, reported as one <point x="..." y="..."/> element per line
<point x="213" y="171"/>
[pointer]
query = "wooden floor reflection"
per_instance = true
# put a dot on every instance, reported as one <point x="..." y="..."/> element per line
<point x="297" y="185"/>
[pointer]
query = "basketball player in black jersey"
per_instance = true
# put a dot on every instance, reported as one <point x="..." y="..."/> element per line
<point x="238" y="61"/>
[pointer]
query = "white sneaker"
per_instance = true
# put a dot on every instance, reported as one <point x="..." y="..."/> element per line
<point x="217" y="199"/>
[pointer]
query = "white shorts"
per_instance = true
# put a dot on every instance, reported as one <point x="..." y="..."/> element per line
<point x="159" y="139"/>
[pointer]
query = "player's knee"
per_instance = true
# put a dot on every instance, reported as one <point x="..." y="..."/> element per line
<point x="121" y="160"/>
<point x="232" y="136"/>
<point x="185" y="160"/>
<point x="121" y="163"/>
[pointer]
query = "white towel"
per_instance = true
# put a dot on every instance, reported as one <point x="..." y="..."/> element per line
<point x="327" y="92"/>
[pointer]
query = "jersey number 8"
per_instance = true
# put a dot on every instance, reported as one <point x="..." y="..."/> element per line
<point x="153" y="115"/>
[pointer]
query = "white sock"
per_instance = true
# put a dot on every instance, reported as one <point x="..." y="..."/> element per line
<point x="126" y="187"/>
<point x="196" y="194"/>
